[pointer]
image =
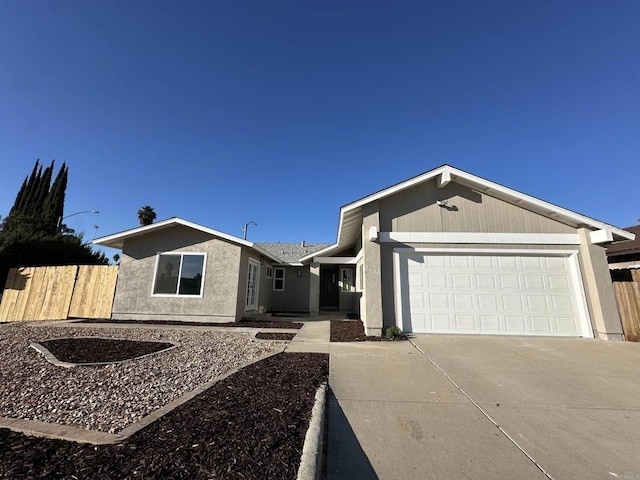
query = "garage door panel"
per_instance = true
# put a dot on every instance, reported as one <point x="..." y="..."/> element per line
<point x="510" y="281"/>
<point x="537" y="304"/>
<point x="462" y="301"/>
<point x="437" y="280"/>
<point x="565" y="324"/>
<point x="490" y="324"/>
<point x="533" y="281"/>
<point x="441" y="323"/>
<point x="515" y="325"/>
<point x="461" y="280"/>
<point x="562" y="304"/>
<point x="484" y="280"/>
<point x="490" y="293"/>
<point x="465" y="323"/>
<point x="439" y="300"/>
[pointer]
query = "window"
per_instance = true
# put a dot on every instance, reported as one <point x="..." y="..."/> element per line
<point x="346" y="279"/>
<point x="179" y="274"/>
<point x="278" y="279"/>
<point x="269" y="271"/>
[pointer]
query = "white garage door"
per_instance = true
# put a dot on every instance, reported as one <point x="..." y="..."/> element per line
<point x="481" y="293"/>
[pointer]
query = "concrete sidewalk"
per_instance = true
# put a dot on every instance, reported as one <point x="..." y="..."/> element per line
<point x="484" y="408"/>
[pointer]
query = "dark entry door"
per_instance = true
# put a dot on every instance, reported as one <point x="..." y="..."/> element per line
<point x="329" y="287"/>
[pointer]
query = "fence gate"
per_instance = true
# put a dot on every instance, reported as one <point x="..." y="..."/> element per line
<point x="58" y="293"/>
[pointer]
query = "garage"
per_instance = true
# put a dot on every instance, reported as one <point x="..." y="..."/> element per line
<point x="490" y="292"/>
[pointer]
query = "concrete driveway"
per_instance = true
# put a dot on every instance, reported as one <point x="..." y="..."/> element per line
<point x="446" y="407"/>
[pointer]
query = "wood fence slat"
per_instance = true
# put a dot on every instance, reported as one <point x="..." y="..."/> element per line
<point x="93" y="295"/>
<point x="628" y="299"/>
<point x="57" y="293"/>
<point x="9" y="296"/>
<point x="635" y="274"/>
<point x="25" y="305"/>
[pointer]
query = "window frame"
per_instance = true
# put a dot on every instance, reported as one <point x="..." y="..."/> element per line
<point x="352" y="286"/>
<point x="177" y="294"/>
<point x="269" y="271"/>
<point x="275" y="278"/>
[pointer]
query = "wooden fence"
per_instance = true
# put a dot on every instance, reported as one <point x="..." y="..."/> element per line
<point x="628" y="298"/>
<point x="58" y="293"/>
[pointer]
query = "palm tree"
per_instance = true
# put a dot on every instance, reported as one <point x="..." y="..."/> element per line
<point x="146" y="215"/>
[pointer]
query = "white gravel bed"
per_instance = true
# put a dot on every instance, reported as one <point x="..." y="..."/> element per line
<point x="111" y="397"/>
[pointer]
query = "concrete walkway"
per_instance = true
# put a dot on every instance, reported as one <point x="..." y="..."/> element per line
<point x="313" y="337"/>
<point x="448" y="407"/>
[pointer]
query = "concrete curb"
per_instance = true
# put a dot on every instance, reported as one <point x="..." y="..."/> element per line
<point x="312" y="455"/>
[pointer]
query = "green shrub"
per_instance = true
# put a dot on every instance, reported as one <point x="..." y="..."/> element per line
<point x="393" y="333"/>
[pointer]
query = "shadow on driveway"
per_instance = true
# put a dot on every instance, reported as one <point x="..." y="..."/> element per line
<point x="345" y="458"/>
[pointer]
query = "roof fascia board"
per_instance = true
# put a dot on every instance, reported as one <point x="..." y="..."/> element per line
<point x="487" y="187"/>
<point x="179" y="221"/>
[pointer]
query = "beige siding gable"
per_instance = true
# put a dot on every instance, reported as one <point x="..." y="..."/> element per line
<point x="415" y="210"/>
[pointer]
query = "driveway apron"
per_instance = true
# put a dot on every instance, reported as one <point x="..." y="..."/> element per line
<point x="394" y="415"/>
<point x="573" y="405"/>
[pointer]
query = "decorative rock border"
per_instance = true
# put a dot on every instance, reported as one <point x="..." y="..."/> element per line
<point x="51" y="358"/>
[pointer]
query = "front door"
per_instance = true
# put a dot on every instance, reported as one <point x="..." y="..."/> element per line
<point x="329" y="296"/>
<point x="252" y="286"/>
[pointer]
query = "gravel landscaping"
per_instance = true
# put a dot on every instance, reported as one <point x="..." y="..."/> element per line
<point x="249" y="425"/>
<point x="108" y="398"/>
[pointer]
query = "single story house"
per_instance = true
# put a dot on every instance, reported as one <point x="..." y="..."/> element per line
<point x="443" y="252"/>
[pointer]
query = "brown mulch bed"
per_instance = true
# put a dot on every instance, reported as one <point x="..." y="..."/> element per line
<point x="249" y="425"/>
<point x="242" y="323"/>
<point x="350" y="331"/>
<point x="275" y="336"/>
<point x="96" y="350"/>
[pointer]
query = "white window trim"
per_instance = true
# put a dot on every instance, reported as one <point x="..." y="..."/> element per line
<point x="353" y="278"/>
<point x="269" y="271"/>
<point x="572" y="255"/>
<point x="177" y="295"/>
<point x="275" y="269"/>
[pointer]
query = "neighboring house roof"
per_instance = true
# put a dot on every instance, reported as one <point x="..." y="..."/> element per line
<point x="626" y="247"/>
<point x="350" y="223"/>
<point x="292" y="252"/>
<point x="117" y="239"/>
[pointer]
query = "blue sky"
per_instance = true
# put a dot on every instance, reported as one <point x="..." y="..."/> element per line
<point x="222" y="112"/>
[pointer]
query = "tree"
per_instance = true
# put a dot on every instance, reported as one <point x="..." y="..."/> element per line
<point x="116" y="258"/>
<point x="146" y="215"/>
<point x="39" y="204"/>
<point x="29" y="235"/>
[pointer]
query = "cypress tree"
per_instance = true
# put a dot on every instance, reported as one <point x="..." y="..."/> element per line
<point x="30" y="207"/>
<point x="17" y="205"/>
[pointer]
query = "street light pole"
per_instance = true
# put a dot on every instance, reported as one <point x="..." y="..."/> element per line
<point x="245" y="227"/>
<point x="61" y="218"/>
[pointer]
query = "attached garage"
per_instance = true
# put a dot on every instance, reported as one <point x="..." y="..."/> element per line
<point x="490" y="292"/>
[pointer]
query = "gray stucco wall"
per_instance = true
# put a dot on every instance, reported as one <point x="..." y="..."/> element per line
<point x="295" y="297"/>
<point x="134" y="299"/>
